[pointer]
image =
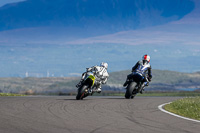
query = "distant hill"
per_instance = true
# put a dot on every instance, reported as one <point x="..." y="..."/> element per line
<point x="33" y="85"/>
<point x="162" y="81"/>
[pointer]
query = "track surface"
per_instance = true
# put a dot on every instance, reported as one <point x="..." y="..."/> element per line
<point x="91" y="115"/>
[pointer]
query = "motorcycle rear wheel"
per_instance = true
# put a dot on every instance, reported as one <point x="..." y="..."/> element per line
<point x="129" y="90"/>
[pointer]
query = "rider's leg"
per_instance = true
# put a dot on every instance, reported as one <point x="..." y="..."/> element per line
<point x="98" y="88"/>
<point x="142" y="87"/>
<point x="144" y="83"/>
<point x="127" y="79"/>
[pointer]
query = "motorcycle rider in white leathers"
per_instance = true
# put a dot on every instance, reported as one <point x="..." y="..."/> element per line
<point x="101" y="74"/>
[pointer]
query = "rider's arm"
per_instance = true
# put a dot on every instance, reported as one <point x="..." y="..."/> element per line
<point x="90" y="69"/>
<point x="136" y="65"/>
<point x="105" y="77"/>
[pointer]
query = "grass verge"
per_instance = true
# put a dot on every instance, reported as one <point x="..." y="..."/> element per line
<point x="159" y="94"/>
<point x="181" y="94"/>
<point x="10" y="94"/>
<point x="187" y="107"/>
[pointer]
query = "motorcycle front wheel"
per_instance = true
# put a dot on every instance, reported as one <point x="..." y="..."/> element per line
<point x="129" y="90"/>
<point x="81" y="92"/>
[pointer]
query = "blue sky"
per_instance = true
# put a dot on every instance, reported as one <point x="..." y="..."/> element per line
<point x="42" y="39"/>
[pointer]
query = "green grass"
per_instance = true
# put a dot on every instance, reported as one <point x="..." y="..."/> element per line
<point x="10" y="94"/>
<point x="187" y="107"/>
<point x="158" y="94"/>
<point x="181" y="94"/>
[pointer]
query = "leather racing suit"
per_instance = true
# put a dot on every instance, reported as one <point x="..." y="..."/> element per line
<point x="142" y="69"/>
<point x="100" y="73"/>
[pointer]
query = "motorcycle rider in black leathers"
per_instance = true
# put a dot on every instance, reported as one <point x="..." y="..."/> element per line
<point x="141" y="70"/>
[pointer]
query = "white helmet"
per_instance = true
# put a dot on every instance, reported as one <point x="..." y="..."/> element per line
<point x="146" y="57"/>
<point x="103" y="64"/>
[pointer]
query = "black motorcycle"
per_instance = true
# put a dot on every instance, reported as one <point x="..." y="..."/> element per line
<point x="135" y="85"/>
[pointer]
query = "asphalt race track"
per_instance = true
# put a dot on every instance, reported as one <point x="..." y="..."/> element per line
<point x="64" y="114"/>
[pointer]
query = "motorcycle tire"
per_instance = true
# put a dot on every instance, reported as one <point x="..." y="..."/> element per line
<point x="81" y="92"/>
<point x="129" y="90"/>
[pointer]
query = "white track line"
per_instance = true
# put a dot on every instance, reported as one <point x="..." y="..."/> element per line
<point x="161" y="108"/>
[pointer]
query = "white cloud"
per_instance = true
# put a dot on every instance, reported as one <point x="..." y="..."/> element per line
<point x="3" y="2"/>
<point x="155" y="50"/>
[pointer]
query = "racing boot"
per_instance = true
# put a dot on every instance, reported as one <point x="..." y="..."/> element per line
<point x="126" y="82"/>
<point x="147" y="84"/>
<point x="142" y="88"/>
<point x="98" y="90"/>
<point x="141" y="91"/>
